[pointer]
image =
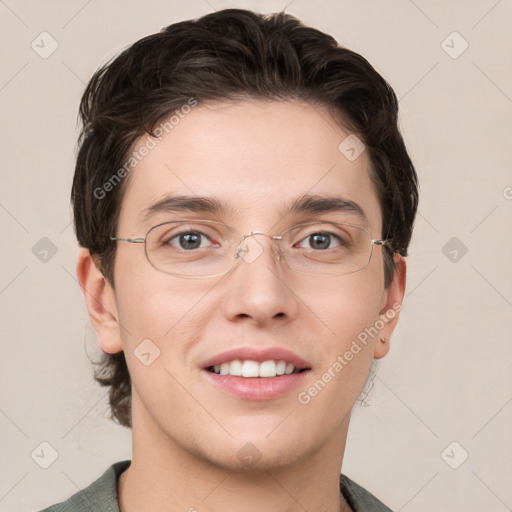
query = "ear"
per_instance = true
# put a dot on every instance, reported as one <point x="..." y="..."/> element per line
<point x="391" y="305"/>
<point x="100" y="301"/>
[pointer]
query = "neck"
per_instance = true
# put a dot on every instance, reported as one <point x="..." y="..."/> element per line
<point x="166" y="476"/>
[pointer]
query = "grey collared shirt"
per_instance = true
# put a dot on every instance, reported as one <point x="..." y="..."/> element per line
<point x="101" y="495"/>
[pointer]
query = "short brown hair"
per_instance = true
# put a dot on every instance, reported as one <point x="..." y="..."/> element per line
<point x="231" y="54"/>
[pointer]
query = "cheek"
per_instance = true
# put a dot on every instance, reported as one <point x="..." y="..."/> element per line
<point x="346" y="305"/>
<point x="150" y="303"/>
<point x="161" y="319"/>
<point x="159" y="312"/>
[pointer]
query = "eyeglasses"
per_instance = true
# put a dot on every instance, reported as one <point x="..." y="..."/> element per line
<point x="206" y="248"/>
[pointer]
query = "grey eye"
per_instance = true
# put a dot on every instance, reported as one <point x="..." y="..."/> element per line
<point x="188" y="241"/>
<point x="320" y="241"/>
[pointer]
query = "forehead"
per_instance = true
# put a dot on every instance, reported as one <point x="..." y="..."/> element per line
<point x="256" y="158"/>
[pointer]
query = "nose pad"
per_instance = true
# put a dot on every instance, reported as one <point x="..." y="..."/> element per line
<point x="250" y="250"/>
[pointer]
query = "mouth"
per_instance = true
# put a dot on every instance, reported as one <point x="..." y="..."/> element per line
<point x="253" y="374"/>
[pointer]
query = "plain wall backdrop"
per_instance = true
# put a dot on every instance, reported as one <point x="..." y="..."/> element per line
<point x="435" y="434"/>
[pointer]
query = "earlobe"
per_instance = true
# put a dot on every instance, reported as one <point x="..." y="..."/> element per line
<point x="391" y="306"/>
<point x="100" y="301"/>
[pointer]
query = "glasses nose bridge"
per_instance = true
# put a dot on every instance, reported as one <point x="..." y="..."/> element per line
<point x="274" y="239"/>
<point x="252" y="233"/>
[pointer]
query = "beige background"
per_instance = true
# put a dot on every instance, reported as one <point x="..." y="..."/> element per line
<point x="449" y="374"/>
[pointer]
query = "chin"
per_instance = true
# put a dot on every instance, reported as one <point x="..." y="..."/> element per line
<point x="249" y="459"/>
<point x="254" y="454"/>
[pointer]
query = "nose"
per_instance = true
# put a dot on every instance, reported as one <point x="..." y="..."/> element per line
<point x="256" y="288"/>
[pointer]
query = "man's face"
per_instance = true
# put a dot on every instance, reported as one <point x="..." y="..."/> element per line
<point x="257" y="158"/>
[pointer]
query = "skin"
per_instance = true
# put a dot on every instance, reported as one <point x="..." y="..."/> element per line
<point x="186" y="433"/>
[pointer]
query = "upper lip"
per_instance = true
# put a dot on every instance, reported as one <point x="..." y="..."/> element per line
<point x="257" y="354"/>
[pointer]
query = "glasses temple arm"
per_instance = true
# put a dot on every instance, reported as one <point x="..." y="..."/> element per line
<point x="130" y="240"/>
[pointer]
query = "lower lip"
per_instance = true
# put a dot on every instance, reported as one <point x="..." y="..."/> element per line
<point x="257" y="388"/>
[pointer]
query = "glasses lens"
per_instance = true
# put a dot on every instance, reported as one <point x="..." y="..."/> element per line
<point x="191" y="248"/>
<point x="327" y="248"/>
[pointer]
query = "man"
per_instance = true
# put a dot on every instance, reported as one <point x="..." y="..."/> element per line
<point x="244" y="202"/>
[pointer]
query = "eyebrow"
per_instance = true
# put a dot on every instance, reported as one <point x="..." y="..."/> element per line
<point x="183" y="203"/>
<point x="326" y="204"/>
<point x="306" y="203"/>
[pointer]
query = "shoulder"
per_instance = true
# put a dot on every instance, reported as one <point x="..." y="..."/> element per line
<point x="359" y="498"/>
<point x="100" y="495"/>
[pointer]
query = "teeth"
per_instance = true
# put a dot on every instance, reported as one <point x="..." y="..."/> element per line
<point x="249" y="368"/>
<point x="280" y="367"/>
<point x="235" y="368"/>
<point x="268" y="369"/>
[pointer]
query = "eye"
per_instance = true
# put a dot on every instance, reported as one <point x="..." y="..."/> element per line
<point x="321" y="241"/>
<point x="188" y="240"/>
